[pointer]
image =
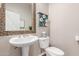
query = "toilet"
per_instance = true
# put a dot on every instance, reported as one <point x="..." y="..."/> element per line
<point x="50" y="51"/>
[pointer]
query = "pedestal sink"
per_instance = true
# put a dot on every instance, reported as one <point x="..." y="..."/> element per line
<point x="24" y="43"/>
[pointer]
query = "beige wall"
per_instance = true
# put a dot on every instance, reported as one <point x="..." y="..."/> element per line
<point x="9" y="50"/>
<point x="64" y="20"/>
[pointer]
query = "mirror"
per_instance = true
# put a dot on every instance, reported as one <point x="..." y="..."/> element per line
<point x="19" y="17"/>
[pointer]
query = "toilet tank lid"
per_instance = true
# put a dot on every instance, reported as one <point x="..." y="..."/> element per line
<point x="55" y="51"/>
<point x="43" y="38"/>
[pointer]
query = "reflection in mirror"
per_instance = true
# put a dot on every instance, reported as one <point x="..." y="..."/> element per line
<point x="18" y="17"/>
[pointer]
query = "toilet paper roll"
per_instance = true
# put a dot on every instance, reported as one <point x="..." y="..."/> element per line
<point x="77" y="38"/>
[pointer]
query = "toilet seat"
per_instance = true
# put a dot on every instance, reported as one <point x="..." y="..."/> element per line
<point x="54" y="51"/>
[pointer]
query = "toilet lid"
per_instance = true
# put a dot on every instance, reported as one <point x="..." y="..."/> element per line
<point x="54" y="50"/>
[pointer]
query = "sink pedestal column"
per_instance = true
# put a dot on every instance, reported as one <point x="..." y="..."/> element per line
<point x="25" y="51"/>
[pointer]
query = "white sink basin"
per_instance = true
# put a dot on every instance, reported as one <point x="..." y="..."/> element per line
<point x="23" y="42"/>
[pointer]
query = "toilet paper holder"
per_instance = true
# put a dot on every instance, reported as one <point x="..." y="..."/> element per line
<point x="77" y="38"/>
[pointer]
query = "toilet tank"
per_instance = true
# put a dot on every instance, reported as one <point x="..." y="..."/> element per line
<point x="44" y="42"/>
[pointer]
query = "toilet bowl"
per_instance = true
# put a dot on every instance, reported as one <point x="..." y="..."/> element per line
<point x="50" y="51"/>
<point x="53" y="51"/>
